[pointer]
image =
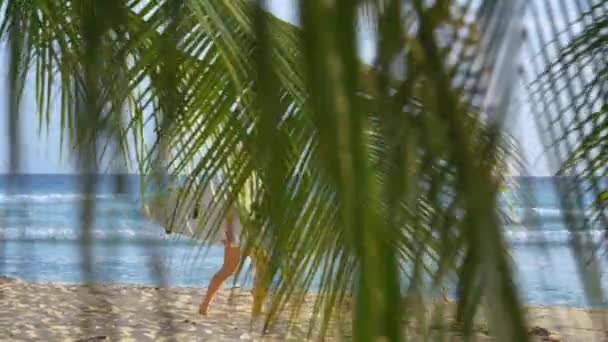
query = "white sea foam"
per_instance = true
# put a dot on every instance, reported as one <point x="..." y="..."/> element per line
<point x="543" y="216"/>
<point x="562" y="236"/>
<point x="514" y="236"/>
<point x="71" y="234"/>
<point x="53" y="197"/>
<point x="124" y="222"/>
<point x="545" y="212"/>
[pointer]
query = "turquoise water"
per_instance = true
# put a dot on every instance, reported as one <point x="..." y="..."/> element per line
<point x="39" y="233"/>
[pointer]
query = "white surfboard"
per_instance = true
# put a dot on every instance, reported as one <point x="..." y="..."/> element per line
<point x="180" y="216"/>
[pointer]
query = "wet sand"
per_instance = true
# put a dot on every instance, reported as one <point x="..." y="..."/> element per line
<point x="116" y="312"/>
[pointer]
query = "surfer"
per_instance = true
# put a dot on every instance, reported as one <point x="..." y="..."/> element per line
<point x="232" y="257"/>
<point x="165" y="210"/>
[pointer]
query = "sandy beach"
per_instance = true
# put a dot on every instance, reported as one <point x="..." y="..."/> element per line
<point x="115" y="312"/>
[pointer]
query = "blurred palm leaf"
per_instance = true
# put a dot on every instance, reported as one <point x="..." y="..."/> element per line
<point x="569" y="96"/>
<point x="368" y="182"/>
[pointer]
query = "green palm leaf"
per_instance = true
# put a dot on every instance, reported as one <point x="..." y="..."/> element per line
<point x="362" y="183"/>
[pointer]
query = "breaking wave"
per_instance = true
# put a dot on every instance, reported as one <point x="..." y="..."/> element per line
<point x="56" y="197"/>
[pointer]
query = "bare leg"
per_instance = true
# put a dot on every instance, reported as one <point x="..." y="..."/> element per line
<point x="232" y="256"/>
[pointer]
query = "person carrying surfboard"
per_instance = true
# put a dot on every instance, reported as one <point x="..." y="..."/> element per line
<point x="197" y="221"/>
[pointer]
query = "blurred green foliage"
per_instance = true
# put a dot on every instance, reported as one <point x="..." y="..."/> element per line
<point x="378" y="181"/>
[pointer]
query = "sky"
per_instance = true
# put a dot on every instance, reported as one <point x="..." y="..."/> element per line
<point x="41" y="152"/>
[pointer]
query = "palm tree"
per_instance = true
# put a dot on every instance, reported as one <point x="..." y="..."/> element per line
<point x="375" y="181"/>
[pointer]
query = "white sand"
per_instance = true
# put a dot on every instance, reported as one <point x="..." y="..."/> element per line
<point x="63" y="312"/>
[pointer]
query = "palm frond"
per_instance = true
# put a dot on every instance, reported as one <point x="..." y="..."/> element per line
<point x="569" y="98"/>
<point x="351" y="178"/>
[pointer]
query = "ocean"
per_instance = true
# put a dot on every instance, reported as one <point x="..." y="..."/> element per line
<point x="40" y="227"/>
